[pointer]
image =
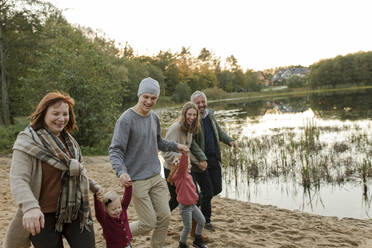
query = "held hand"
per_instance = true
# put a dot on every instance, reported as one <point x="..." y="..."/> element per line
<point x="125" y="180"/>
<point x="33" y="221"/>
<point x="99" y="193"/>
<point x="233" y="144"/>
<point x="176" y="161"/>
<point x="203" y="165"/>
<point x="182" y="148"/>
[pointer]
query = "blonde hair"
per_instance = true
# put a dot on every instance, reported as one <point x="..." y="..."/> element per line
<point x="108" y="198"/>
<point x="173" y="170"/>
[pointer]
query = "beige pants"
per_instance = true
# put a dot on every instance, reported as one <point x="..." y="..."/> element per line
<point x="150" y="198"/>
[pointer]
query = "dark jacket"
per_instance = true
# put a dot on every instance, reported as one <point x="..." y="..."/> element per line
<point x="198" y="141"/>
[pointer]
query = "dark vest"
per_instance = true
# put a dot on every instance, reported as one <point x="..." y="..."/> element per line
<point x="210" y="139"/>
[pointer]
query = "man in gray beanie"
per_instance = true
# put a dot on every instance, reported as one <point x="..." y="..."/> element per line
<point x="134" y="157"/>
<point x="149" y="85"/>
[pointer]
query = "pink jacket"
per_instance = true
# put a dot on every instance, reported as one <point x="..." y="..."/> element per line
<point x="185" y="187"/>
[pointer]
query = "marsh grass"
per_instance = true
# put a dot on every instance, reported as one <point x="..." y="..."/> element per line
<point x="310" y="155"/>
<point x="305" y="157"/>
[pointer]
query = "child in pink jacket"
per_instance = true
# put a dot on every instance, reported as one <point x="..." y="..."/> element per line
<point x="187" y="199"/>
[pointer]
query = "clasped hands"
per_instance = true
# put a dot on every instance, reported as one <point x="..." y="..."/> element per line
<point x="125" y="180"/>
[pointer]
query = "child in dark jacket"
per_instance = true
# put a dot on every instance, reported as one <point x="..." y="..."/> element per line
<point x="112" y="215"/>
<point x="187" y="198"/>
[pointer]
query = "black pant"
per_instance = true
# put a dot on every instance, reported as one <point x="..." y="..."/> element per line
<point x="173" y="203"/>
<point x="50" y="238"/>
<point x="210" y="183"/>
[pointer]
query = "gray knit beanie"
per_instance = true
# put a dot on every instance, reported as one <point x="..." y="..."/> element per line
<point x="149" y="85"/>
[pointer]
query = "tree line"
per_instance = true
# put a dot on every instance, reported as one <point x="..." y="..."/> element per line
<point x="351" y="69"/>
<point x="41" y="52"/>
<point x="354" y="69"/>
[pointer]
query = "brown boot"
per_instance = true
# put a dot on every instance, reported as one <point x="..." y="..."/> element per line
<point x="192" y="232"/>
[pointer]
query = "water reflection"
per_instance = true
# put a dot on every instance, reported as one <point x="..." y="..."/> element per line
<point x="350" y="105"/>
<point x="345" y="200"/>
<point x="343" y="105"/>
<point x="276" y="152"/>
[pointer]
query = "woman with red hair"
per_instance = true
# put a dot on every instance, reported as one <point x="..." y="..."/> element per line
<point x="49" y="181"/>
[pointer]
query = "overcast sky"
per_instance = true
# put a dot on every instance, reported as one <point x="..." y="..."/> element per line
<point x="261" y="34"/>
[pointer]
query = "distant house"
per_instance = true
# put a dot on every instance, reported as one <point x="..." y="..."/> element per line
<point x="285" y="73"/>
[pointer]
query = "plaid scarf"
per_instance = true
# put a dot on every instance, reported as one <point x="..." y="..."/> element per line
<point x="73" y="199"/>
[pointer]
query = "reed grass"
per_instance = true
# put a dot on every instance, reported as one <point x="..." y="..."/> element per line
<point x="304" y="156"/>
<point x="301" y="154"/>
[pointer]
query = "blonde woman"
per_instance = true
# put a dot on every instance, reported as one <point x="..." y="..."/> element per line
<point x="182" y="131"/>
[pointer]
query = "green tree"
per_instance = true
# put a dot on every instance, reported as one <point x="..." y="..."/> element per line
<point x="182" y="93"/>
<point x="295" y="81"/>
<point x="128" y="51"/>
<point x="232" y="63"/>
<point x="352" y="69"/>
<point x="239" y="80"/>
<point x="20" y="24"/>
<point x="226" y="80"/>
<point x="251" y="81"/>
<point x="185" y="65"/>
<point x="84" y="69"/>
<point x="172" y="77"/>
<point x="166" y="62"/>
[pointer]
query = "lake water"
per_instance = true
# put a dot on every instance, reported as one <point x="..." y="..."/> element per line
<point x="271" y="132"/>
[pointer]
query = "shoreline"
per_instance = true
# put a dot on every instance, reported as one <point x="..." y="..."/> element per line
<point x="269" y="94"/>
<point x="237" y="223"/>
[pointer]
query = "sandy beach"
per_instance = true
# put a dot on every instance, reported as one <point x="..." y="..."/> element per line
<point x="238" y="224"/>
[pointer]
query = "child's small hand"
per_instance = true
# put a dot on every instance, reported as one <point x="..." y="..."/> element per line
<point x="125" y="180"/>
<point x="234" y="145"/>
<point x="128" y="184"/>
<point x="100" y="194"/>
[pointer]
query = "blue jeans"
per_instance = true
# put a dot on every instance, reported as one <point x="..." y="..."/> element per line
<point x="188" y="213"/>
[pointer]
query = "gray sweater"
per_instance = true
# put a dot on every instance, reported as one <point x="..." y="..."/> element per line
<point x="135" y="144"/>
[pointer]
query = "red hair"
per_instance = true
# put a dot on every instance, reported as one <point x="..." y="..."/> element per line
<point x="37" y="117"/>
